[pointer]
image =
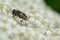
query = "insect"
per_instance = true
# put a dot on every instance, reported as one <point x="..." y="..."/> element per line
<point x="19" y="14"/>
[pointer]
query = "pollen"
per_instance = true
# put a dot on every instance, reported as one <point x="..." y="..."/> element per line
<point x="48" y="27"/>
<point x="1" y="7"/>
<point x="20" y="34"/>
<point x="10" y="37"/>
<point x="36" y="17"/>
<point x="3" y="0"/>
<point x="5" y="21"/>
<point x="8" y="11"/>
<point x="43" y="22"/>
<point x="4" y="29"/>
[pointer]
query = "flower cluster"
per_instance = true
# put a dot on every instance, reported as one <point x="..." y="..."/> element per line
<point x="42" y="23"/>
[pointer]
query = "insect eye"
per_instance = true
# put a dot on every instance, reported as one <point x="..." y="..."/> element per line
<point x="13" y="12"/>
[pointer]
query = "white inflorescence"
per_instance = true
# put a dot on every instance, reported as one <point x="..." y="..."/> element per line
<point x="42" y="23"/>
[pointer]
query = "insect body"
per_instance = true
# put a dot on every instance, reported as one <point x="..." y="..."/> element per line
<point x="19" y="14"/>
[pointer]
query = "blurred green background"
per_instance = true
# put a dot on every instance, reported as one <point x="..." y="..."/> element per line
<point x="54" y="4"/>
